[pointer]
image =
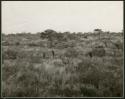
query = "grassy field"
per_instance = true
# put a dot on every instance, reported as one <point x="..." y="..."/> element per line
<point x="51" y="64"/>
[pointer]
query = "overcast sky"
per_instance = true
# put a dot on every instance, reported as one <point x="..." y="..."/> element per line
<point x="73" y="16"/>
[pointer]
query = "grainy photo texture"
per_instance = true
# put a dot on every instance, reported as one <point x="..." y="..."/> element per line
<point x="62" y="49"/>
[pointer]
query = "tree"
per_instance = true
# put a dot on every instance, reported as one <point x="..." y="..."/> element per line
<point x="98" y="31"/>
<point x="48" y="34"/>
<point x="49" y="31"/>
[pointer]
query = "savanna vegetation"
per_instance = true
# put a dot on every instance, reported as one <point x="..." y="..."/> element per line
<point x="55" y="64"/>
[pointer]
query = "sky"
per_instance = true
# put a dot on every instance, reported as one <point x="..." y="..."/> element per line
<point x="61" y="16"/>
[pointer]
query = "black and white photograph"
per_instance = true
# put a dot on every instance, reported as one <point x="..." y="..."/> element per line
<point x="62" y="49"/>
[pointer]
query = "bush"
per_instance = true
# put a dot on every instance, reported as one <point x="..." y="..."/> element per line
<point x="10" y="54"/>
<point x="98" y="51"/>
<point x="5" y="43"/>
<point x="71" y="53"/>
